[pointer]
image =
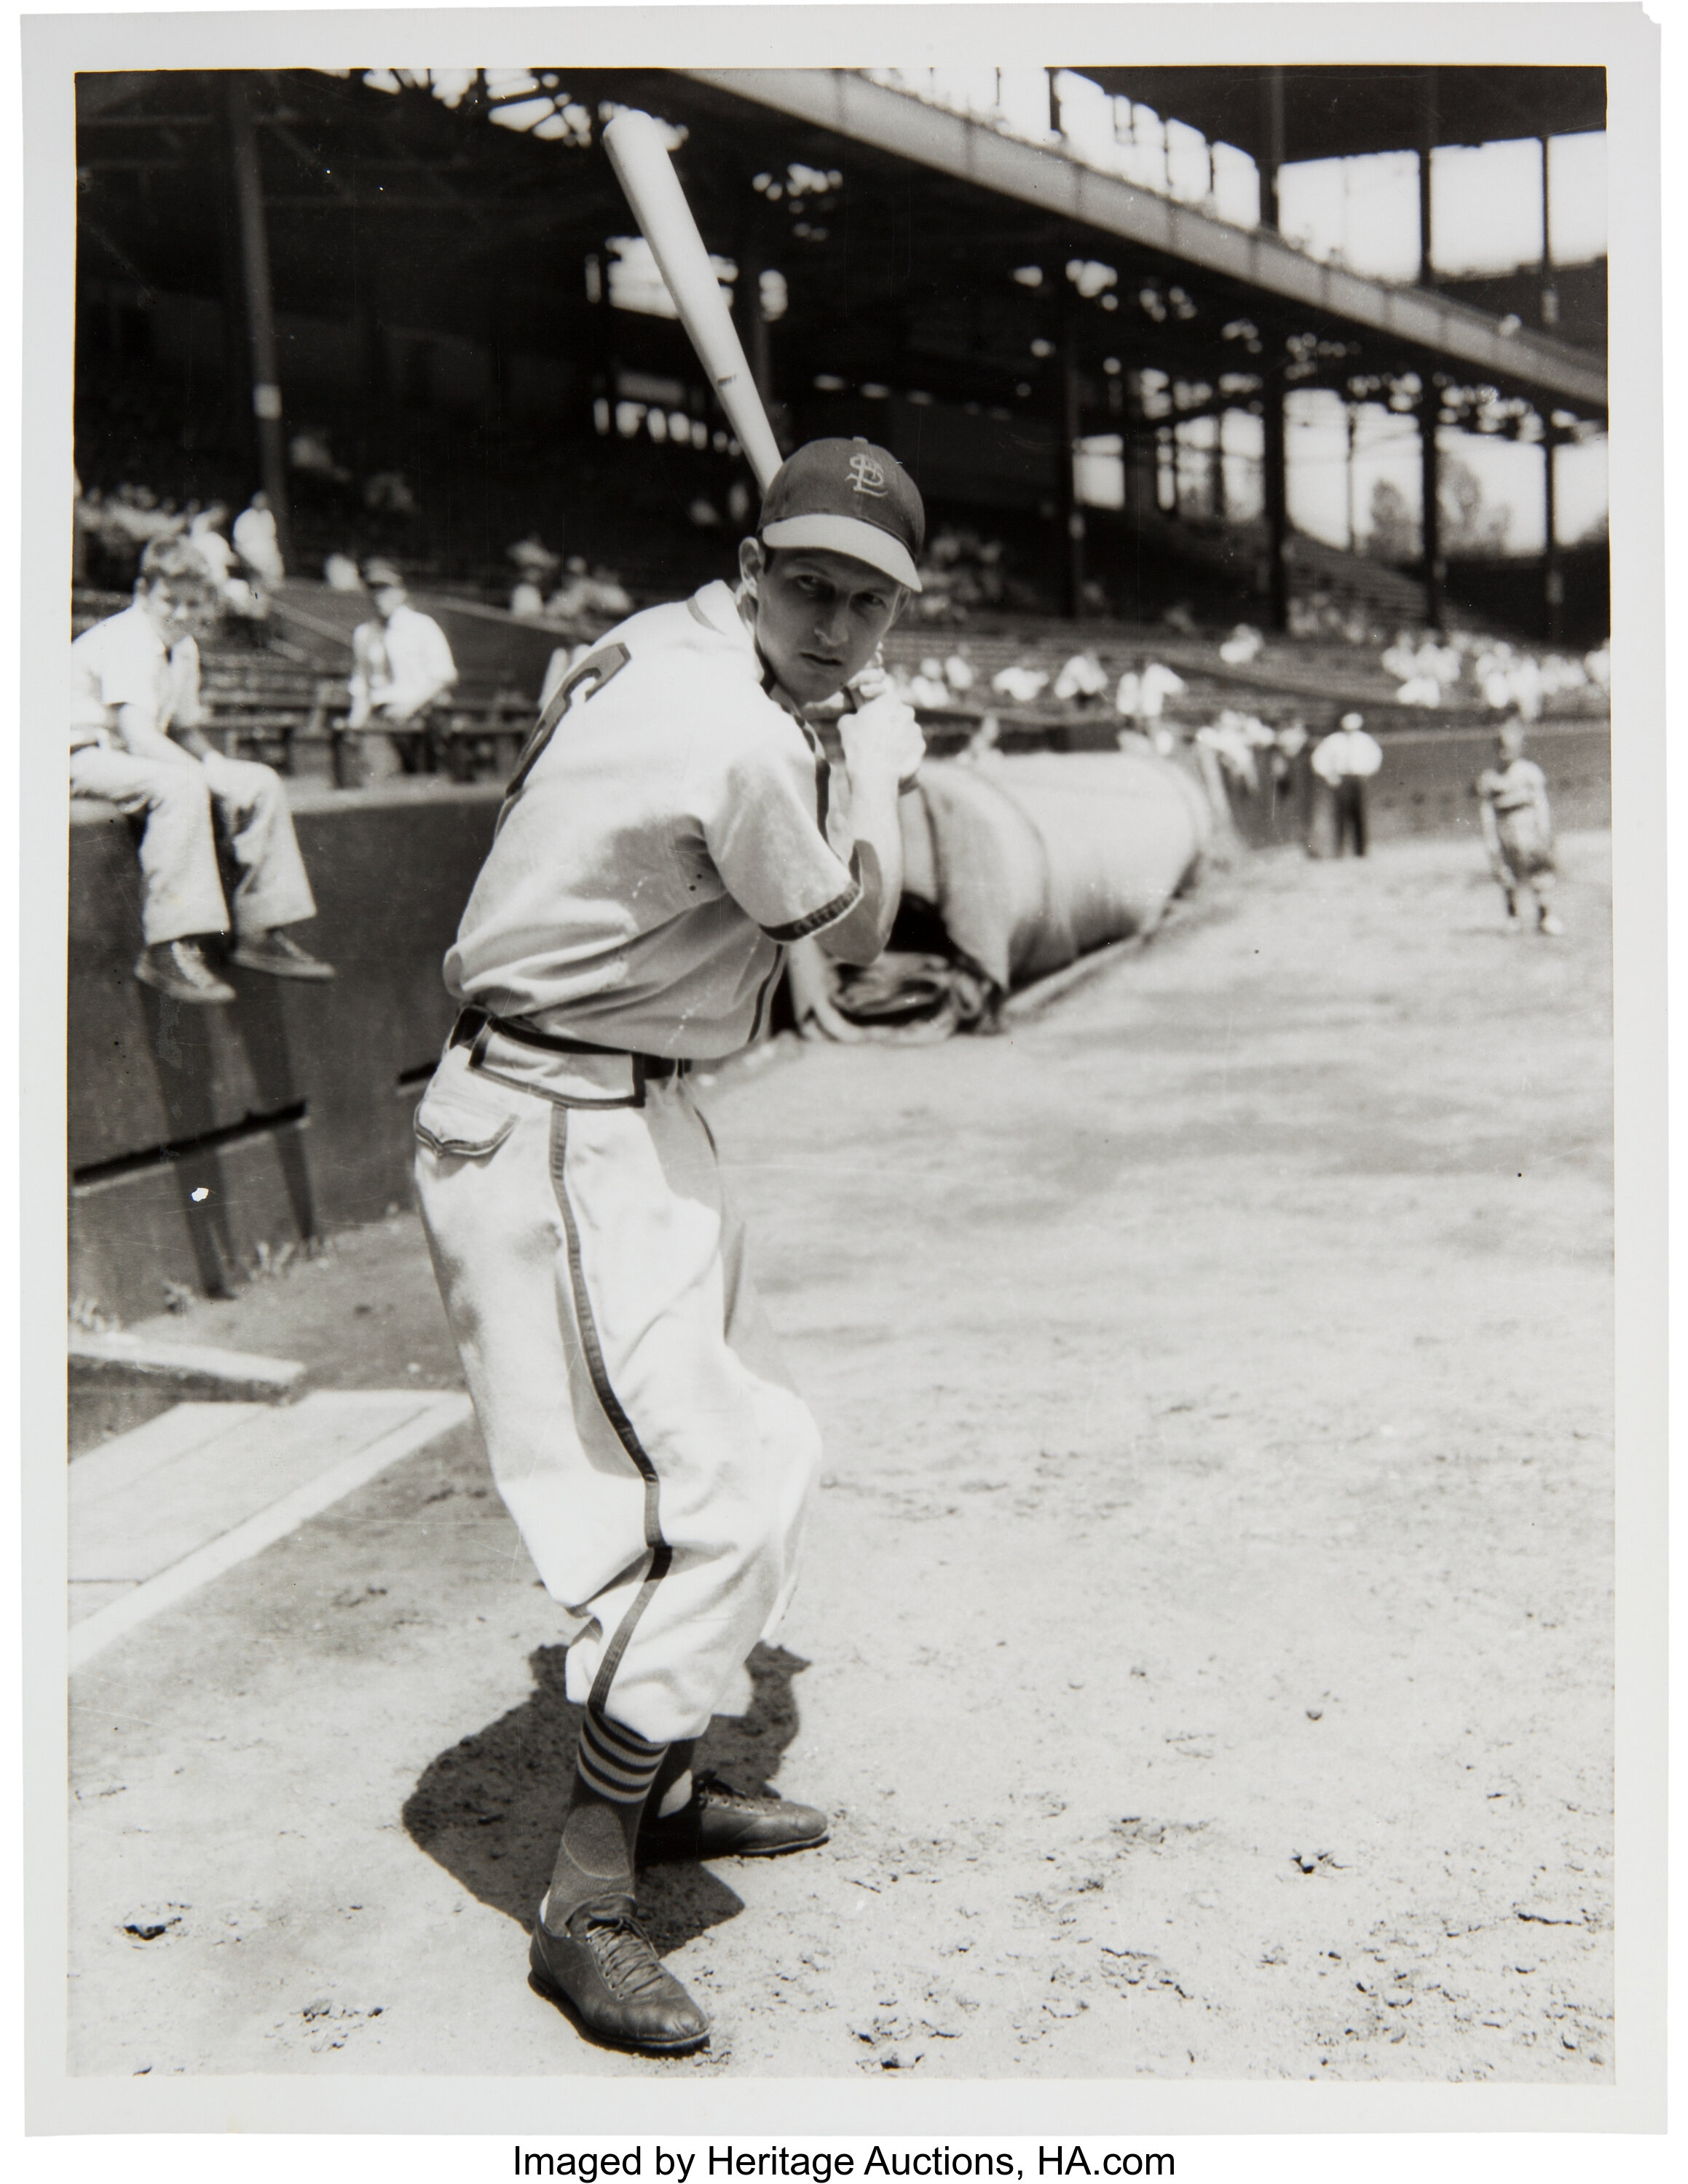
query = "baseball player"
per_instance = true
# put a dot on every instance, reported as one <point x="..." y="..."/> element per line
<point x="1518" y="829"/>
<point x="136" y="741"/>
<point x="673" y="825"/>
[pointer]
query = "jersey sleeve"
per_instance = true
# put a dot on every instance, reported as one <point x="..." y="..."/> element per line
<point x="758" y="804"/>
<point x="129" y="669"/>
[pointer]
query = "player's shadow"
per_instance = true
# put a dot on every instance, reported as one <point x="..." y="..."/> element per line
<point x="490" y="1809"/>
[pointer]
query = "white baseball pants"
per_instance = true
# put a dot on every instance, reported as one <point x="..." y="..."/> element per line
<point x="641" y="1426"/>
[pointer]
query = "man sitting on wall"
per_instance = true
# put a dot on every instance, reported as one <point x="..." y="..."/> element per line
<point x="401" y="667"/>
<point x="136" y="741"/>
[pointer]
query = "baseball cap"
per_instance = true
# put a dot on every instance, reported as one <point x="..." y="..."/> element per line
<point x="848" y="497"/>
<point x="381" y="576"/>
<point x="1353" y="721"/>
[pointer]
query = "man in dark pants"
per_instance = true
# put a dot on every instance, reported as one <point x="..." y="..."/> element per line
<point x="1346" y="762"/>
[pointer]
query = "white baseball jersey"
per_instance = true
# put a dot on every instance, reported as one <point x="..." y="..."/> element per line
<point x="659" y="843"/>
<point x="1522" y="786"/>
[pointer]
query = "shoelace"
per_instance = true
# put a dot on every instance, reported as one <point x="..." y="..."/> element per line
<point x="710" y="1788"/>
<point x="631" y="1969"/>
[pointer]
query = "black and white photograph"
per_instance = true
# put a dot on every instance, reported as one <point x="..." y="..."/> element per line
<point x="835" y="1165"/>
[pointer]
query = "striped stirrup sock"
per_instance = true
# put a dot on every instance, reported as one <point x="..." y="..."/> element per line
<point x="616" y="1762"/>
<point x="614" y="1768"/>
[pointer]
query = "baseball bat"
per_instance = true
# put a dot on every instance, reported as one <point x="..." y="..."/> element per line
<point x="646" y="173"/>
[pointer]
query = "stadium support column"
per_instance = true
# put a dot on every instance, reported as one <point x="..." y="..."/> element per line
<point x="260" y="314"/>
<point x="1552" y="568"/>
<point x="1430" y="505"/>
<point x="1428" y="125"/>
<point x="1069" y="508"/>
<point x="1275" y="484"/>
<point x="1272" y="143"/>
<point x="1550" y="292"/>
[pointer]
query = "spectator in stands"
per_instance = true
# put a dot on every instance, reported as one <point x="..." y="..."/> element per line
<point x="1083" y="679"/>
<point x="205" y="536"/>
<point x="535" y="566"/>
<point x="1345" y="762"/>
<point x="256" y="542"/>
<point x="387" y="493"/>
<point x="1143" y="694"/>
<point x="136" y="741"/>
<point x="401" y="668"/>
<point x="310" y="454"/>
<point x="599" y="594"/>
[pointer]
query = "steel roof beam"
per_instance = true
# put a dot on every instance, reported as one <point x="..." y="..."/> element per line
<point x="889" y="121"/>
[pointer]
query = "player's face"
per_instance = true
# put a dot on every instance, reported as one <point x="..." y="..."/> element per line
<point x="819" y="617"/>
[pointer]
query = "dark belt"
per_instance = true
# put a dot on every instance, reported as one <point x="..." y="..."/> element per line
<point x="472" y="1022"/>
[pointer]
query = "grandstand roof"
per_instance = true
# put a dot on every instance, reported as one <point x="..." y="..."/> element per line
<point x="907" y="249"/>
<point x="1418" y="329"/>
<point x="1332" y="112"/>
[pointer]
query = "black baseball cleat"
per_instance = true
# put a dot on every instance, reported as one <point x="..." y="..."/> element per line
<point x="719" y="1821"/>
<point x="604" y="1974"/>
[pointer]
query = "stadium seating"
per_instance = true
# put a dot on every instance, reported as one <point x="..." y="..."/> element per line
<point x="285" y="701"/>
<point x="293" y="717"/>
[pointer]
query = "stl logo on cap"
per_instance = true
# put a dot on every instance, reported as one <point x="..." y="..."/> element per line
<point x="847" y="497"/>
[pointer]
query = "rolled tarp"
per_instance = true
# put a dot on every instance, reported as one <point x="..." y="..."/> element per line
<point x="1017" y="865"/>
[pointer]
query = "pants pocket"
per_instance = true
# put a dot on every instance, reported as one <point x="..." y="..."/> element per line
<point x="458" y="1120"/>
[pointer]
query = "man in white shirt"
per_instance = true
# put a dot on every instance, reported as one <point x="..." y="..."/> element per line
<point x="1142" y="693"/>
<point x="136" y="742"/>
<point x="205" y="536"/>
<point x="1345" y="762"/>
<point x="401" y="667"/>
<point x="257" y="543"/>
<point x="674" y="823"/>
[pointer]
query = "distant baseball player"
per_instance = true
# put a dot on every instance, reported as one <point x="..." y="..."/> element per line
<point x="1345" y="762"/>
<point x="136" y="741"/>
<point x="1518" y="829"/>
<point x="673" y="825"/>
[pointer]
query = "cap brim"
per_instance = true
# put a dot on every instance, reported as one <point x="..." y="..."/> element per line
<point x="845" y="534"/>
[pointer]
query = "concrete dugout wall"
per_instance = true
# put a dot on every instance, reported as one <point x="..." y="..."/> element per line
<point x="1424" y="786"/>
<point x="197" y="1133"/>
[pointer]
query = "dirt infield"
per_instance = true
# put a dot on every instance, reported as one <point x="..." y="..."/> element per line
<point x="1205" y="1647"/>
